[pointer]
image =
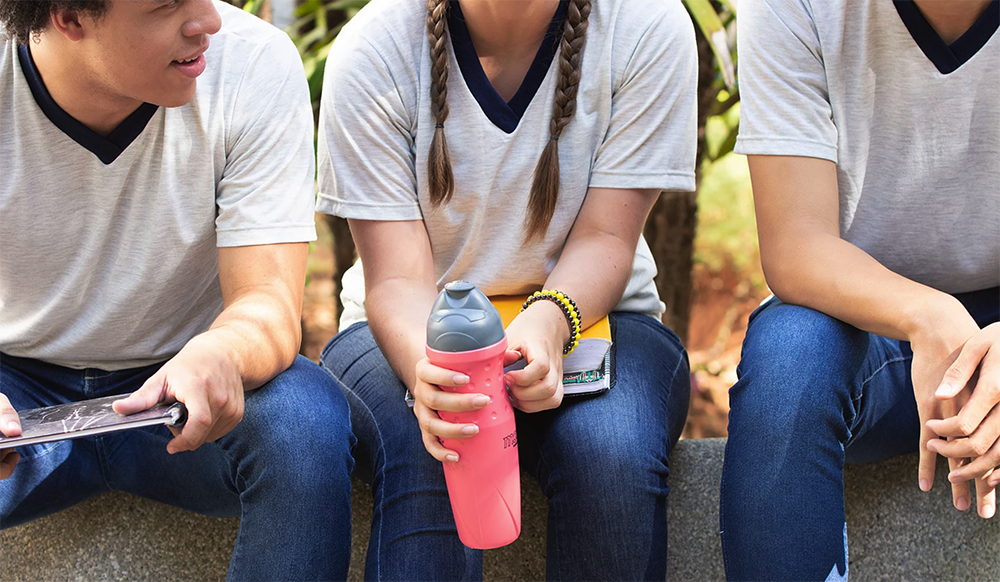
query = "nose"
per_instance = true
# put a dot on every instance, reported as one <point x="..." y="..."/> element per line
<point x="204" y="19"/>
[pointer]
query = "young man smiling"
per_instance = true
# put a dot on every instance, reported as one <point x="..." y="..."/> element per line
<point x="156" y="199"/>
<point x="873" y="134"/>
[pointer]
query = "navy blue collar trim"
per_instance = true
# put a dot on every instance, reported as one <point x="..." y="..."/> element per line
<point x="504" y="115"/>
<point x="107" y="149"/>
<point x="948" y="58"/>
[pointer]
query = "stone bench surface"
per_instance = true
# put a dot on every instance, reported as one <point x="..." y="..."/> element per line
<point x="896" y="532"/>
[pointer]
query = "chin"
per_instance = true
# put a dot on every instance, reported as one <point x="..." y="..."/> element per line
<point x="176" y="98"/>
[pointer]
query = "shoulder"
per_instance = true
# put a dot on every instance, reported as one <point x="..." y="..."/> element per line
<point x="380" y="51"/>
<point x="245" y="39"/>
<point x="394" y="30"/>
<point x="249" y="60"/>
<point x="630" y="25"/>
<point x="755" y="14"/>
<point x="641" y="35"/>
<point x="628" y="21"/>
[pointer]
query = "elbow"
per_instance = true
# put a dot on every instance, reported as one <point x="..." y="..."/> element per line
<point x="782" y="275"/>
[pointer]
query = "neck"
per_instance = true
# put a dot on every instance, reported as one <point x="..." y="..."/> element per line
<point x="503" y="27"/>
<point x="75" y="88"/>
<point x="951" y="18"/>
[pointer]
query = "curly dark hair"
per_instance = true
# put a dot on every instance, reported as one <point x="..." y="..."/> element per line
<point x="22" y="18"/>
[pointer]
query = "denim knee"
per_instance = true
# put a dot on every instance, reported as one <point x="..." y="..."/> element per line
<point x="796" y="363"/>
<point x="299" y="425"/>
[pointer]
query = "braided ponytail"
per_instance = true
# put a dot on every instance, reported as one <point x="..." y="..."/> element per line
<point x="545" y="185"/>
<point x="439" y="175"/>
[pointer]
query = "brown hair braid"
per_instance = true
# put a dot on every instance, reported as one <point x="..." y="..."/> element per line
<point x="545" y="185"/>
<point x="439" y="176"/>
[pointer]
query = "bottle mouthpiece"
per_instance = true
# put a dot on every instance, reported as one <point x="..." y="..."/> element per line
<point x="463" y="319"/>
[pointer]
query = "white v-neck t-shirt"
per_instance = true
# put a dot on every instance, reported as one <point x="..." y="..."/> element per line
<point x="917" y="148"/>
<point x="634" y="127"/>
<point x="113" y="263"/>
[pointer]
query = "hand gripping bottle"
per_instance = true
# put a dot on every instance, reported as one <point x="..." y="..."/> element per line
<point x="465" y="334"/>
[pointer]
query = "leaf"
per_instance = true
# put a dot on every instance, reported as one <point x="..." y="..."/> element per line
<point x="708" y="21"/>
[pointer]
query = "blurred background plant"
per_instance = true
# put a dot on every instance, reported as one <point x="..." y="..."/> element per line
<point x="705" y="243"/>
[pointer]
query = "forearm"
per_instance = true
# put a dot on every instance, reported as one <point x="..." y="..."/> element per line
<point x="397" y="310"/>
<point x="806" y="262"/>
<point x="594" y="271"/>
<point x="826" y="273"/>
<point x="261" y="332"/>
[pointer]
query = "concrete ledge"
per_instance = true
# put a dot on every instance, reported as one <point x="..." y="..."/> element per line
<point x="896" y="532"/>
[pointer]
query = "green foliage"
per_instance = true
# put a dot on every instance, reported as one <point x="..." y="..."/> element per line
<point x="727" y="232"/>
<point x="252" y="6"/>
<point x="317" y="25"/>
<point x="717" y="23"/>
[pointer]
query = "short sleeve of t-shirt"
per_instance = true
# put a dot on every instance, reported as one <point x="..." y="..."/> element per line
<point x="784" y="98"/>
<point x="653" y="107"/>
<point x="266" y="192"/>
<point x="365" y="136"/>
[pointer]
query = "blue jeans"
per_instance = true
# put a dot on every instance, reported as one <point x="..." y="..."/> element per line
<point x="813" y="393"/>
<point x="284" y="470"/>
<point x="601" y="462"/>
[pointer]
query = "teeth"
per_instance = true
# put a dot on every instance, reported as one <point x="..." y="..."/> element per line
<point x="189" y="60"/>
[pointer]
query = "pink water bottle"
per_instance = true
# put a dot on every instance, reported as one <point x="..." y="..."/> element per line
<point x="465" y="334"/>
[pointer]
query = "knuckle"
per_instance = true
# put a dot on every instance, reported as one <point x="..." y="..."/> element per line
<point x="199" y="419"/>
<point x="966" y="427"/>
<point x="431" y="400"/>
<point x="956" y="371"/>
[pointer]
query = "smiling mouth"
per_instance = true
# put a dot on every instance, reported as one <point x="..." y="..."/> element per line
<point x="185" y="61"/>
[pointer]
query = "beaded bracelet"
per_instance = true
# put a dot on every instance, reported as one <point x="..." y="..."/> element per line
<point x="569" y="309"/>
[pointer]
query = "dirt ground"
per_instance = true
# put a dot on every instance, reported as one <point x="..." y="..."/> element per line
<point x="722" y="303"/>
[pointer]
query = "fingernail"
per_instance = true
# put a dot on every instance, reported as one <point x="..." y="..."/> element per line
<point x="451" y="458"/>
<point x="962" y="504"/>
<point x="481" y="400"/>
<point x="925" y="485"/>
<point x="460" y="379"/>
<point x="943" y="389"/>
<point x="12" y="425"/>
<point x="987" y="511"/>
<point x="471" y="429"/>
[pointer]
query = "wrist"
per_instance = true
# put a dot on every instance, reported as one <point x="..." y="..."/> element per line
<point x="554" y="318"/>
<point x="219" y="344"/>
<point x="939" y="315"/>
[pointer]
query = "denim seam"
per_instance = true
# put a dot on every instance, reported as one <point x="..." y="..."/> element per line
<point x="880" y="368"/>
<point x="240" y="483"/>
<point x="381" y="457"/>
<point x="102" y="455"/>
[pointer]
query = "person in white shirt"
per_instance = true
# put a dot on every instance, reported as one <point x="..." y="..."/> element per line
<point x="518" y="146"/>
<point x="156" y="195"/>
<point x="873" y="135"/>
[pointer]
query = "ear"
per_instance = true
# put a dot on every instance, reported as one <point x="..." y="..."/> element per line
<point x="67" y="22"/>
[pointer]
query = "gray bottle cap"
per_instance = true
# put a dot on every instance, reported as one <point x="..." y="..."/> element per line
<point x="463" y="319"/>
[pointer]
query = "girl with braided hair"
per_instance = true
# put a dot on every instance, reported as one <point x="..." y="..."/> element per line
<point x="519" y="146"/>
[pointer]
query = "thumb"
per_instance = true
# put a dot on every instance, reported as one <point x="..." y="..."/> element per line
<point x="960" y="373"/>
<point x="146" y="397"/>
<point x="511" y="356"/>
<point x="10" y="425"/>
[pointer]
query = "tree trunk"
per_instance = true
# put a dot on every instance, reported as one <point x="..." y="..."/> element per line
<point x="343" y="256"/>
<point x="670" y="228"/>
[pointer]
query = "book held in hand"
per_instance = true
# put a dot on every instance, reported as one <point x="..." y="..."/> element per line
<point x="588" y="369"/>
<point x="87" y="418"/>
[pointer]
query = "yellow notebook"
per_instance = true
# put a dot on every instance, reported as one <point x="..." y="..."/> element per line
<point x="595" y="341"/>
